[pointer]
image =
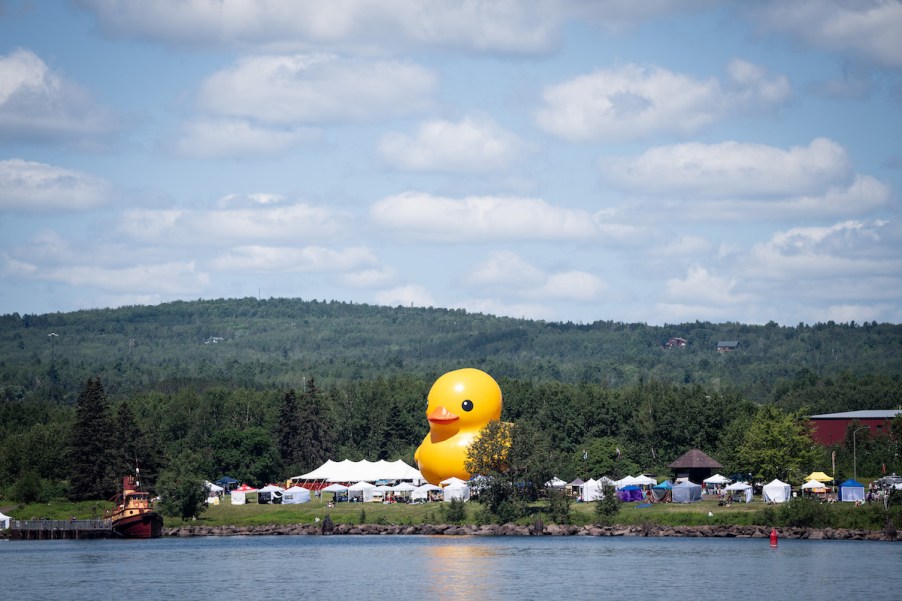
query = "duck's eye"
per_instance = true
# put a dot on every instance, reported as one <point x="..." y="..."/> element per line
<point x="467" y="405"/>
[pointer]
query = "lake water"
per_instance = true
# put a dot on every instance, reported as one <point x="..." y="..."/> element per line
<point x="261" y="568"/>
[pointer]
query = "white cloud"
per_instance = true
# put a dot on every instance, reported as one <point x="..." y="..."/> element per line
<point x="507" y="26"/>
<point x="315" y="88"/>
<point x="634" y="102"/>
<point x="485" y="218"/>
<point x="737" y="181"/>
<point x="491" y="306"/>
<point x="411" y="295"/>
<point x="258" y="258"/>
<point x="507" y="273"/>
<point x="225" y="138"/>
<point x="370" y="278"/>
<point x="254" y="199"/>
<point x="180" y="278"/>
<point x="865" y="29"/>
<point x="469" y="145"/>
<point x="225" y="227"/>
<point x="37" y="105"/>
<point x="32" y="186"/>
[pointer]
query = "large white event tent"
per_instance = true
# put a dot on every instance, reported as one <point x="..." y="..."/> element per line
<point x="776" y="491"/>
<point x="362" y="471"/>
<point x="740" y="491"/>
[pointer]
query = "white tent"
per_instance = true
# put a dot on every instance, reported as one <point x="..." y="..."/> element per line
<point x="686" y="492"/>
<point x="456" y="491"/>
<point x="627" y="481"/>
<point x="591" y="490"/>
<point x="776" y="491"/>
<point x="643" y="480"/>
<point x="363" y="471"/>
<point x="815" y="486"/>
<point x="362" y="489"/>
<point x="213" y="492"/>
<point x="4" y="521"/>
<point x="740" y="491"/>
<point x="422" y="492"/>
<point x="555" y="483"/>
<point x="452" y="481"/>
<point x="335" y="489"/>
<point x="270" y="494"/>
<point x="295" y="495"/>
<point x="239" y="495"/>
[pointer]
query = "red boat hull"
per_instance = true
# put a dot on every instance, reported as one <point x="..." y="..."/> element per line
<point x="145" y="525"/>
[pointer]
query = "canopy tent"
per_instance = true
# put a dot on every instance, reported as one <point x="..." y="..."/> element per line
<point x="456" y="491"/>
<point x="591" y="490"/>
<point x="624" y="482"/>
<point x="776" y="491"/>
<point x="239" y="495"/>
<point x="295" y="495"/>
<point x="363" y="490"/>
<point x="555" y="483"/>
<point x="633" y="492"/>
<point x="662" y="492"/>
<point x="716" y="479"/>
<point x="422" y="492"/>
<point x="452" y="481"/>
<point x="819" y="476"/>
<point x="686" y="492"/>
<point x="213" y="488"/>
<point x="270" y="494"/>
<point x="643" y="480"/>
<point x="335" y="489"/>
<point x="814" y="487"/>
<point x="740" y="492"/>
<point x="362" y="471"/>
<point x="227" y="482"/>
<point x="4" y="521"/>
<point x="851" y="490"/>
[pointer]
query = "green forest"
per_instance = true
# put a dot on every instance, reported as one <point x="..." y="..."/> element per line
<point x="263" y="390"/>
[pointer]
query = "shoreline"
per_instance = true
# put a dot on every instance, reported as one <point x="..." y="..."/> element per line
<point x="650" y="530"/>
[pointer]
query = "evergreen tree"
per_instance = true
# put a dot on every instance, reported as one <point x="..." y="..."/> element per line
<point x="289" y="431"/>
<point x="316" y="437"/>
<point x="93" y="458"/>
<point x="132" y="447"/>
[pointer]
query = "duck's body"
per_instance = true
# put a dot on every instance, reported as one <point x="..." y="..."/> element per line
<point x="460" y="404"/>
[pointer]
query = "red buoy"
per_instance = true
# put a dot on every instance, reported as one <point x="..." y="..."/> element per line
<point x="773" y="537"/>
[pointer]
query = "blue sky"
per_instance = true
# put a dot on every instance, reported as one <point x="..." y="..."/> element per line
<point x="564" y="160"/>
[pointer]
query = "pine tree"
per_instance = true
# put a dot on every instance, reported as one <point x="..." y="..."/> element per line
<point x="93" y="458"/>
<point x="132" y="448"/>
<point x="289" y="431"/>
<point x="316" y="436"/>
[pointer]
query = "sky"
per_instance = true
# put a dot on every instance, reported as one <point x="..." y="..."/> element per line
<point x="659" y="162"/>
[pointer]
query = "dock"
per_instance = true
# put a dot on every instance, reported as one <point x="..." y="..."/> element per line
<point x="60" y="529"/>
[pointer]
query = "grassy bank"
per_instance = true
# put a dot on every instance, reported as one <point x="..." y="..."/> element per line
<point x="840" y="515"/>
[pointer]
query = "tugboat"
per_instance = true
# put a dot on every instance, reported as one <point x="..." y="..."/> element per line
<point x="134" y="516"/>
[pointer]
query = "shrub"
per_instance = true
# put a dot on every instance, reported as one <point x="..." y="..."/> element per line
<point x="608" y="506"/>
<point x="559" y="507"/>
<point x="457" y="511"/>
<point x="806" y="513"/>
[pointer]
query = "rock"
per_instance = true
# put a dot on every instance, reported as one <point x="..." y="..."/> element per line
<point x="328" y="527"/>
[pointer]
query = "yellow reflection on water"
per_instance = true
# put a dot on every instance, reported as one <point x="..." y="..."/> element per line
<point x="460" y="571"/>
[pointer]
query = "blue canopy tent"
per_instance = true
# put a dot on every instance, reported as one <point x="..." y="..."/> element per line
<point x="662" y="492"/>
<point x="633" y="492"/>
<point x="227" y="482"/>
<point x="850" y="490"/>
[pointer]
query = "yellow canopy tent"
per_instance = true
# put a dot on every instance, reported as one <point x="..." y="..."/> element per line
<point x="819" y="476"/>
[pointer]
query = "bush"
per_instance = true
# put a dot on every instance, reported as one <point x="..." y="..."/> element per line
<point x="362" y="519"/>
<point x="559" y="507"/>
<point x="608" y="506"/>
<point x="456" y="511"/>
<point x="805" y="513"/>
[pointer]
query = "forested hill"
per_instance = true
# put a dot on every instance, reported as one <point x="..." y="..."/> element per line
<point x="277" y="342"/>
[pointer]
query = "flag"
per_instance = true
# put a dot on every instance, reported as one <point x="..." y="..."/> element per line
<point x="585" y="454"/>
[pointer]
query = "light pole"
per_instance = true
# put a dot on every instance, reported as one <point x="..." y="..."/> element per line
<point x="855" y="452"/>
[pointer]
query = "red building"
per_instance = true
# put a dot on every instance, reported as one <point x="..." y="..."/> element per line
<point x="830" y="428"/>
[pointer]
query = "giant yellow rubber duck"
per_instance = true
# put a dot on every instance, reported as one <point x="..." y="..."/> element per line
<point x="460" y="404"/>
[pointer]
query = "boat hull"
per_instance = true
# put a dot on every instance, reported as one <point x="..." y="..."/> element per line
<point x="145" y="525"/>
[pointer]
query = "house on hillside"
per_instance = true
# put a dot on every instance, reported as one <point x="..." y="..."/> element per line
<point x="676" y="343"/>
<point x="725" y="346"/>
<point x="831" y="428"/>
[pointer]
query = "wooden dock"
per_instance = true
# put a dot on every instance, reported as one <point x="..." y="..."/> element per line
<point x="60" y="529"/>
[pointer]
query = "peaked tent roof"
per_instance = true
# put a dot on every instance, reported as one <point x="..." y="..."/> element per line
<point x="355" y="471"/>
<point x="819" y="476"/>
<point x="694" y="459"/>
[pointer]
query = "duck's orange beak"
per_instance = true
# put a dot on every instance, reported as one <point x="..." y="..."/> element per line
<point x="440" y="415"/>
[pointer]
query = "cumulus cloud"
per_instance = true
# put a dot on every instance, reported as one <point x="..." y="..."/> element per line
<point x="315" y="88"/>
<point x="469" y="145"/>
<point x="379" y="277"/>
<point x="633" y="102"/>
<point x="867" y="30"/>
<point x="508" y="273"/>
<point x="739" y="181"/>
<point x="485" y="218"/>
<point x="227" y="138"/>
<point x="219" y="228"/>
<point x="259" y="258"/>
<point x="38" y="105"/>
<point x="31" y="186"/>
<point x="176" y="278"/>
<point x="507" y="26"/>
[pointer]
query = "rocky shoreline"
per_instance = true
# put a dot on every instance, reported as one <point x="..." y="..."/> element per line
<point x="326" y="528"/>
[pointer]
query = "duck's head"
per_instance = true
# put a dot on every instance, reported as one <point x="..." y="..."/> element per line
<point x="463" y="399"/>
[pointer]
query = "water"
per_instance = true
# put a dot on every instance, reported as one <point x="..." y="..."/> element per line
<point x="262" y="568"/>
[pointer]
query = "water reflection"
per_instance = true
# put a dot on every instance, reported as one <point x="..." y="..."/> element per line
<point x="458" y="569"/>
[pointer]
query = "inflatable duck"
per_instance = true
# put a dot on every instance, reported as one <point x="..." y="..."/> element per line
<point x="460" y="404"/>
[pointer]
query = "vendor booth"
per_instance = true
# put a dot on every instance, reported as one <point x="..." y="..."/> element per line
<point x="814" y="488"/>
<point x="739" y="492"/>
<point x="295" y="495"/>
<point x="852" y="491"/>
<point x="270" y="494"/>
<point x="686" y="492"/>
<point x="661" y="493"/>
<point x="633" y="492"/>
<point x="240" y="494"/>
<point x="714" y="484"/>
<point x="460" y="492"/>
<point x="776" y="491"/>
